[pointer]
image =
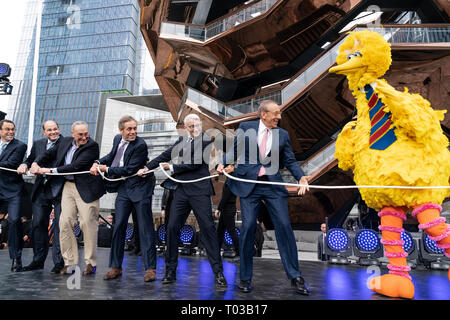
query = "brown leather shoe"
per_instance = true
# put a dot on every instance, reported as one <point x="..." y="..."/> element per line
<point x="113" y="273"/>
<point x="89" y="270"/>
<point x="150" y="275"/>
<point x="64" y="270"/>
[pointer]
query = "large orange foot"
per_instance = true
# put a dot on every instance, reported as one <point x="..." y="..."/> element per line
<point x="392" y="285"/>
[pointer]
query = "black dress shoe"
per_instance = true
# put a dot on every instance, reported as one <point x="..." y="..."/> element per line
<point x="33" y="266"/>
<point x="300" y="286"/>
<point x="170" y="277"/>
<point x="220" y="280"/>
<point x="57" y="268"/>
<point x="244" y="286"/>
<point x="16" y="265"/>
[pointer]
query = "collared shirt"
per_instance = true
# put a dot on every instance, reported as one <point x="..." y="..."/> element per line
<point x="69" y="154"/>
<point x="261" y="129"/>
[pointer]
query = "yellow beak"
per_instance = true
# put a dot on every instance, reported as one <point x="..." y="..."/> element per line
<point x="350" y="66"/>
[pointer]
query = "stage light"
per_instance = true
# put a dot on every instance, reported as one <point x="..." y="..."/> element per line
<point x="161" y="235"/>
<point x="367" y="247"/>
<point x="338" y="246"/>
<point x="5" y="86"/>
<point x="77" y="230"/>
<point x="187" y="240"/>
<point x="129" y="231"/>
<point x="228" y="245"/>
<point x="410" y="247"/>
<point x="431" y="255"/>
<point x="227" y="238"/>
<point x="5" y="70"/>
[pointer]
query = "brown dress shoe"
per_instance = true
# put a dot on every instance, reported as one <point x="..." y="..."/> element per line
<point x="150" y="275"/>
<point x="113" y="273"/>
<point x="89" y="270"/>
<point x="64" y="270"/>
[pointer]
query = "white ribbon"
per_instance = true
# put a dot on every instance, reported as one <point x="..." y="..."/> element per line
<point x="242" y="180"/>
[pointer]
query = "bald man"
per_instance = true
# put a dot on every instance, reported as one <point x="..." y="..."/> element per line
<point x="44" y="198"/>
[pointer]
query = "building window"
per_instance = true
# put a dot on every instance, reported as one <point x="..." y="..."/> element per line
<point x="55" y="70"/>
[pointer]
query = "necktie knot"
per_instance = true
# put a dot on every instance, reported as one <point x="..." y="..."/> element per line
<point x="3" y="147"/>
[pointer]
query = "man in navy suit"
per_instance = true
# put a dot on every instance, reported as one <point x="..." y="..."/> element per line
<point x="44" y="199"/>
<point x="12" y="153"/>
<point x="129" y="154"/>
<point x="263" y="149"/>
<point x="190" y="196"/>
<point x="80" y="193"/>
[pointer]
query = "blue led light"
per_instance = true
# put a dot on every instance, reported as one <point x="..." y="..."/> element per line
<point x="337" y="239"/>
<point x="3" y="68"/>
<point x="162" y="232"/>
<point x="408" y="246"/>
<point x="77" y="230"/>
<point x="227" y="238"/>
<point x="431" y="246"/>
<point x="367" y="240"/>
<point x="129" y="232"/>
<point x="187" y="234"/>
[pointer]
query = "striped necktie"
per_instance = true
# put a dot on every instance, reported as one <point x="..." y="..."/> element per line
<point x="2" y="148"/>
<point x="382" y="133"/>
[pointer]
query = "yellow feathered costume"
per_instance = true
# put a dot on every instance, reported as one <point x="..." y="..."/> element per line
<point x="396" y="140"/>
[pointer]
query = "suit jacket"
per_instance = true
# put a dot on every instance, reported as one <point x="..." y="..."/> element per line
<point x="134" y="158"/>
<point x="90" y="187"/>
<point x="11" y="183"/>
<point x="40" y="185"/>
<point x="192" y="165"/>
<point x="249" y="164"/>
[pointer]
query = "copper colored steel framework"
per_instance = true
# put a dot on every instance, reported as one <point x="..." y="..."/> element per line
<point x="258" y="49"/>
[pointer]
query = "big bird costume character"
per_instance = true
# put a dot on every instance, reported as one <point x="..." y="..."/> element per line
<point x="396" y="140"/>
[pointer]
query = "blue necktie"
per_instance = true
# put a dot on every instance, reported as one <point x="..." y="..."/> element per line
<point x="119" y="155"/>
<point x="2" y="148"/>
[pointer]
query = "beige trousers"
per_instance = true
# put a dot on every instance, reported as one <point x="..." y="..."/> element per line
<point x="71" y="204"/>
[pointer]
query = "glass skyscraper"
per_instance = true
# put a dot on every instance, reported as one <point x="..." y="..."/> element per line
<point x="86" y="47"/>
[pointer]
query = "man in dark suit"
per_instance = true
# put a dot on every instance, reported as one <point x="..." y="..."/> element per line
<point x="12" y="153"/>
<point x="262" y="162"/>
<point x="44" y="200"/>
<point x="129" y="154"/>
<point x="80" y="193"/>
<point x="321" y="243"/>
<point x="190" y="196"/>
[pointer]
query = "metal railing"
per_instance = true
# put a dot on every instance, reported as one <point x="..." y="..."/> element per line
<point x="204" y="33"/>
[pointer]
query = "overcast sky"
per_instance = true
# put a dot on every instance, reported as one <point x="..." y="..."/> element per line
<point x="10" y="30"/>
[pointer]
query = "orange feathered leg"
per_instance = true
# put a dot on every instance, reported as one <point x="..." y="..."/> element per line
<point x="428" y="215"/>
<point x="397" y="283"/>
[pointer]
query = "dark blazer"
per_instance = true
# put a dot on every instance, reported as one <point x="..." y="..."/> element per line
<point x="90" y="187"/>
<point x="11" y="183"/>
<point x="192" y="166"/>
<point x="249" y="165"/>
<point x="134" y="158"/>
<point x="39" y="147"/>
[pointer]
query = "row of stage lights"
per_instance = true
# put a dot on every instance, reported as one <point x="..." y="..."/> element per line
<point x="188" y="239"/>
<point x="366" y="245"/>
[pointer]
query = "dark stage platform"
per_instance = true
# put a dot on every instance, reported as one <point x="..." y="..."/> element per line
<point x="195" y="281"/>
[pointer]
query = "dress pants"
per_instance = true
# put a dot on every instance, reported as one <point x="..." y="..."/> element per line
<point x="15" y="227"/>
<point x="71" y="204"/>
<point x="42" y="207"/>
<point x="278" y="210"/>
<point x="181" y="206"/>
<point x="147" y="234"/>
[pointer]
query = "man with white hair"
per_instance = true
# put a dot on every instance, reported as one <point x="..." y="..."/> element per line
<point x="80" y="193"/>
<point x="191" y="165"/>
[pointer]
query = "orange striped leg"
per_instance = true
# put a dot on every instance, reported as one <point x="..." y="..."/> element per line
<point x="397" y="283"/>
<point x="428" y="215"/>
